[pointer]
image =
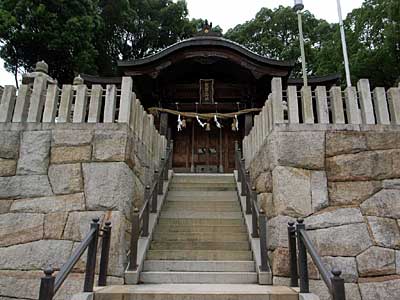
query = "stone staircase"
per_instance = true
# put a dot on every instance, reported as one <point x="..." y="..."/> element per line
<point x="200" y="248"/>
<point x="201" y="236"/>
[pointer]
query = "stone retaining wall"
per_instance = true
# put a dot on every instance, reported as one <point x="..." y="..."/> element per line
<point x="345" y="181"/>
<point x="54" y="178"/>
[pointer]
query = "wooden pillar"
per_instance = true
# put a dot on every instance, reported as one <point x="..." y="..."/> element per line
<point x="164" y="124"/>
<point x="248" y="124"/>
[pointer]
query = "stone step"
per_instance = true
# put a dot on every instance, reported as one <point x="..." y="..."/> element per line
<point x="198" y="266"/>
<point x="203" y="196"/>
<point x="195" y="204"/>
<point x="200" y="208"/>
<point x="202" y="187"/>
<point x="203" y="179"/>
<point x="200" y="222"/>
<point x="196" y="292"/>
<point x="199" y="277"/>
<point x="199" y="237"/>
<point x="199" y="245"/>
<point x="199" y="255"/>
<point x="201" y="228"/>
<point x="187" y="214"/>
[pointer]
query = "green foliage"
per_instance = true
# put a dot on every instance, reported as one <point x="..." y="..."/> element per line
<point x="59" y="31"/>
<point x="372" y="34"/>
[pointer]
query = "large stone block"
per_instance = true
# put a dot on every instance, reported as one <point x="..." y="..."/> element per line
<point x="319" y="190"/>
<point x="398" y="262"/>
<point x="5" y="206"/>
<point x="379" y="289"/>
<point x="20" y="284"/>
<point x="319" y="288"/>
<point x="385" y="232"/>
<point x="376" y="261"/>
<point x="352" y="192"/>
<point x="109" y="186"/>
<point x="36" y="255"/>
<point x="72" y="137"/>
<point x="110" y="145"/>
<point x="277" y="232"/>
<point x="66" y="179"/>
<point x="391" y="184"/>
<point x="8" y="167"/>
<point x="371" y="165"/>
<point x="265" y="201"/>
<point x="263" y="183"/>
<point x="9" y="144"/>
<point x="78" y="224"/>
<point x="346" y="240"/>
<point x="383" y="204"/>
<point x="347" y="265"/>
<point x="345" y="142"/>
<point x="54" y="225"/>
<point x="334" y="217"/>
<point x="71" y="154"/>
<point x="300" y="149"/>
<point x="383" y="140"/>
<point x="292" y="191"/>
<point x="20" y="228"/>
<point x="51" y="204"/>
<point x="34" y="153"/>
<point x="17" y="187"/>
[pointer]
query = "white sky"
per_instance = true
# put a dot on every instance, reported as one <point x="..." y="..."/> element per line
<point x="228" y="13"/>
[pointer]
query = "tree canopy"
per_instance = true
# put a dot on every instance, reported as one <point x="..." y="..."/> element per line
<point x="90" y="36"/>
<point x="372" y="34"/>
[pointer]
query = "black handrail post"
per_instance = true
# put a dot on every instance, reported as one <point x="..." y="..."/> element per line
<point x="105" y="254"/>
<point x="294" y="275"/>
<point x="146" y="212"/>
<point x="263" y="241"/>
<point x="338" y="289"/>
<point x="303" y="268"/>
<point x="134" y="240"/>
<point x="242" y="165"/>
<point x="254" y="217"/>
<point x="91" y="258"/>
<point x="160" y="179"/>
<point x="246" y="182"/>
<point x="47" y="285"/>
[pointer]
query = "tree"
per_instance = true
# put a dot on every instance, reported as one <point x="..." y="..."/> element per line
<point x="59" y="32"/>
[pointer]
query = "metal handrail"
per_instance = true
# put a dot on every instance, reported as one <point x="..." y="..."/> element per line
<point x="259" y="220"/>
<point x="298" y="237"/>
<point x="50" y="284"/>
<point x="141" y="218"/>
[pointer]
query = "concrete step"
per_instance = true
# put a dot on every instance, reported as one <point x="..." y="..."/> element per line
<point x="160" y="236"/>
<point x="200" y="222"/>
<point x="177" y="195"/>
<point x="198" y="266"/>
<point x="186" y="214"/>
<point x="200" y="245"/>
<point x="201" y="208"/>
<point x="202" y="187"/>
<point x="180" y="204"/>
<point x="201" y="228"/>
<point x="199" y="277"/>
<point x="199" y="255"/>
<point x="196" y="292"/>
<point x="203" y="179"/>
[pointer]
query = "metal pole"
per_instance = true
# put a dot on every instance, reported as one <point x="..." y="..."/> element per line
<point x="134" y="240"/>
<point x="105" y="254"/>
<point x="47" y="285"/>
<point x="303" y="53"/>
<point x="303" y="266"/>
<point x="91" y="258"/>
<point x="294" y="275"/>
<point x="344" y="45"/>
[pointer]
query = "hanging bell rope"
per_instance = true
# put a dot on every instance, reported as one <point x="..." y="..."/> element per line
<point x="203" y="116"/>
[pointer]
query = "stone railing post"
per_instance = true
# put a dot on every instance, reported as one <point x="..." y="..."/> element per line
<point x="367" y="110"/>
<point x="307" y="105"/>
<point x="95" y="104"/>
<point x="293" y="107"/>
<point x="22" y="104"/>
<point x="50" y="107"/>
<point x="352" y="110"/>
<point x="80" y="101"/>
<point x="394" y="105"/>
<point x="277" y="105"/>
<point x="126" y="100"/>
<point x="322" y="105"/>
<point x="65" y="104"/>
<point x="381" y="106"/>
<point x="337" y="105"/>
<point x="111" y="101"/>
<point x="7" y="104"/>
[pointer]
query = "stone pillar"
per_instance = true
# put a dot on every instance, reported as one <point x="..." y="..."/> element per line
<point x="322" y="105"/>
<point x="277" y="105"/>
<point x="22" y="104"/>
<point x="367" y="110"/>
<point x="37" y="100"/>
<point x="337" y="105"/>
<point x="126" y="100"/>
<point x="95" y="104"/>
<point x="394" y="105"/>
<point x="50" y="107"/>
<point x="80" y="104"/>
<point x="381" y="108"/>
<point x="7" y="103"/>
<point x="111" y="101"/>
<point x="293" y="106"/>
<point x="307" y="105"/>
<point x="64" y="111"/>
<point x="352" y="110"/>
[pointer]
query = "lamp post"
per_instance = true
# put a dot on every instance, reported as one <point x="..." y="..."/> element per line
<point x="344" y="45"/>
<point x="298" y="7"/>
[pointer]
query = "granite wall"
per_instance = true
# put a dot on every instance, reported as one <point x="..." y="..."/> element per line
<point x="344" y="180"/>
<point x="54" y="179"/>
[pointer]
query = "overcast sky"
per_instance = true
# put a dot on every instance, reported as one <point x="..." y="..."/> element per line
<point x="228" y="13"/>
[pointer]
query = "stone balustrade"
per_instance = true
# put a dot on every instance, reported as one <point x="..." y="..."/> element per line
<point x="353" y="106"/>
<point x="42" y="101"/>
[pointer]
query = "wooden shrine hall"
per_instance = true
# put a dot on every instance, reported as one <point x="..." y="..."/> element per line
<point x="205" y="74"/>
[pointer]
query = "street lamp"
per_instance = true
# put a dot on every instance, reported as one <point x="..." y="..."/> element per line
<point x="298" y="7"/>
